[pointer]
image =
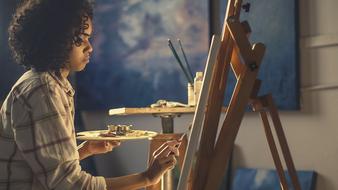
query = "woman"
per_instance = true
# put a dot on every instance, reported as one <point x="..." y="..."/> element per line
<point x="37" y="138"/>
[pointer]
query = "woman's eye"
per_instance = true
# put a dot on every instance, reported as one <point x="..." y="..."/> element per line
<point x="78" y="40"/>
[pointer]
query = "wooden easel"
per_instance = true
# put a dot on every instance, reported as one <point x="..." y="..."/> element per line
<point x="237" y="53"/>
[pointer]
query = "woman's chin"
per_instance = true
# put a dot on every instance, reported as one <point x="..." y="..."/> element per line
<point x="81" y="67"/>
<point x="78" y="69"/>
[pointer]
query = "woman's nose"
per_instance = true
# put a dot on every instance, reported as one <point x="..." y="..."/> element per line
<point x="89" y="47"/>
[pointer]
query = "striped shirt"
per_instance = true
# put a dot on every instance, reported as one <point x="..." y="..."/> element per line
<point x="37" y="138"/>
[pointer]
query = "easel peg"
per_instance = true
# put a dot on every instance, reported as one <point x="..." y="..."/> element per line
<point x="246" y="7"/>
<point x="253" y="66"/>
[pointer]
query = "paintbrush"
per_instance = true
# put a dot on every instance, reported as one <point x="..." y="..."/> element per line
<point x="189" y="78"/>
<point x="185" y="59"/>
<point x="178" y="144"/>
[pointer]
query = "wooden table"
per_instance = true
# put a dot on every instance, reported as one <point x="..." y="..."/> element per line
<point x="166" y="114"/>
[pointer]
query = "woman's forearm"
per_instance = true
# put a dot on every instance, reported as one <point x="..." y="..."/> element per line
<point x="128" y="182"/>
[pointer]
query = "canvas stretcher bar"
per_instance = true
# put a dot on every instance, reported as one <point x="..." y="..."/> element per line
<point x="199" y="115"/>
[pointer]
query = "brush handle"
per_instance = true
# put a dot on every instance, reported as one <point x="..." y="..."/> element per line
<point x="191" y="81"/>
<point x="185" y="59"/>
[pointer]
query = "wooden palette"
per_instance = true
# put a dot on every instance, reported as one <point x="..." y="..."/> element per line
<point x="100" y="135"/>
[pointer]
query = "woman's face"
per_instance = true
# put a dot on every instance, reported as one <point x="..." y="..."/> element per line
<point x="80" y="55"/>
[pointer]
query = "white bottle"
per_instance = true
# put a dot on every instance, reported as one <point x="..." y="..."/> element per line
<point x="197" y="86"/>
<point x="191" y="95"/>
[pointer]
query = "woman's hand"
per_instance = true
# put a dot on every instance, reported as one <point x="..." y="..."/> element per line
<point x="101" y="147"/>
<point x="163" y="159"/>
<point x="89" y="148"/>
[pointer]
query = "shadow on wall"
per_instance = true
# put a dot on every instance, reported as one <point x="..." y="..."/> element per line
<point x="309" y="66"/>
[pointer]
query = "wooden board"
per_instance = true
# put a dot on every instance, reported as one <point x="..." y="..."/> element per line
<point x="134" y="135"/>
<point x="134" y="111"/>
<point x="139" y="111"/>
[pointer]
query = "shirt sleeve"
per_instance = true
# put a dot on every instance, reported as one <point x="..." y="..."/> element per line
<point x="43" y="129"/>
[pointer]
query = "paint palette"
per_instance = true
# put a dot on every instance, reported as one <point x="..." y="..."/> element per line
<point x="103" y="135"/>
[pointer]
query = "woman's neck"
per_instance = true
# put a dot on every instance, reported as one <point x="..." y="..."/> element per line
<point x="64" y="72"/>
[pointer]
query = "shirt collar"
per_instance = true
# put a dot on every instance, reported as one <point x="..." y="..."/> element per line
<point x="64" y="83"/>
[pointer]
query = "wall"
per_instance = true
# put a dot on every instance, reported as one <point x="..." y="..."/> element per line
<point x="311" y="132"/>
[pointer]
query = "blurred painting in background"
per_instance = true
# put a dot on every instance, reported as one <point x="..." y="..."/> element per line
<point x="132" y="65"/>
<point x="274" y="23"/>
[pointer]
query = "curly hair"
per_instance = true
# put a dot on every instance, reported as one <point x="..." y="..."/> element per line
<point x="42" y="32"/>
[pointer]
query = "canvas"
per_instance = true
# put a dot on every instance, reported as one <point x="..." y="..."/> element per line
<point x="197" y="123"/>
<point x="263" y="179"/>
<point x="132" y="65"/>
<point x="274" y="23"/>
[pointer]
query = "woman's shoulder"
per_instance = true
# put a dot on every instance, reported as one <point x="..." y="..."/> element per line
<point x="33" y="81"/>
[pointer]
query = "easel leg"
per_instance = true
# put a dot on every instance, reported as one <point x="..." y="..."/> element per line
<point x="274" y="150"/>
<point x="267" y="103"/>
<point x="283" y="142"/>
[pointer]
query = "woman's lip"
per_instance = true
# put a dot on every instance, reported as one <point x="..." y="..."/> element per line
<point x="87" y="59"/>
